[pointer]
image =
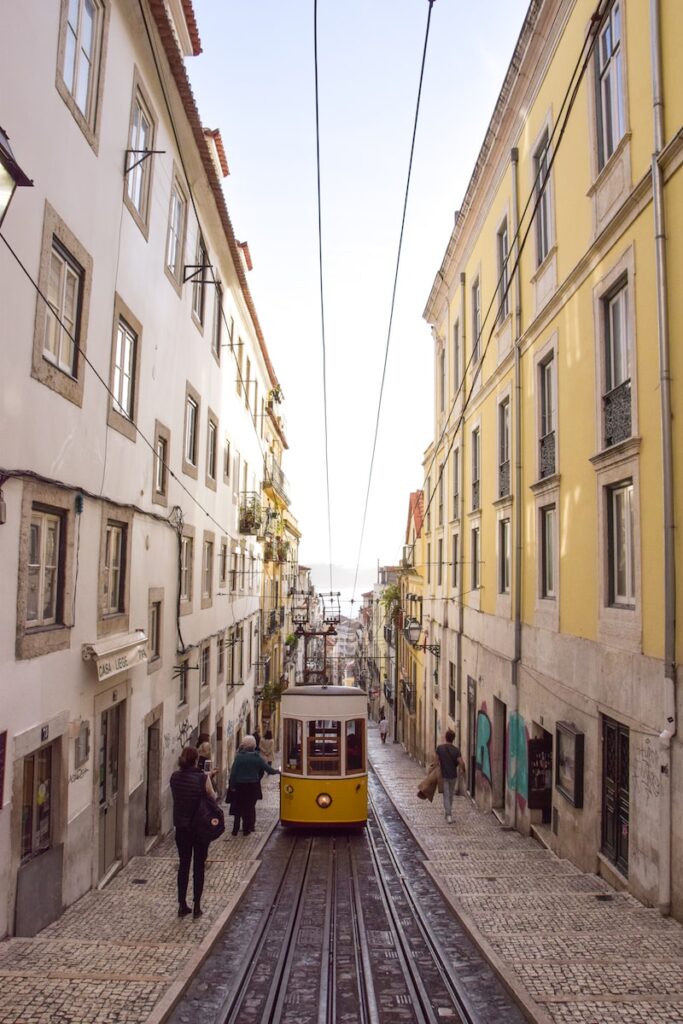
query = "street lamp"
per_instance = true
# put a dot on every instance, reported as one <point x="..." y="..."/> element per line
<point x="11" y="175"/>
<point x="412" y="632"/>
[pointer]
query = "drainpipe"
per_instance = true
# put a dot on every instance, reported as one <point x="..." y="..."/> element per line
<point x="670" y="725"/>
<point x="517" y="589"/>
<point x="461" y="467"/>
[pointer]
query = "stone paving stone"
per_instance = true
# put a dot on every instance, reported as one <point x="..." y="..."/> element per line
<point x="624" y="945"/>
<point x="39" y="956"/>
<point x="36" y="1000"/>
<point x="637" y="977"/>
<point x="458" y="882"/>
<point x="621" y="1012"/>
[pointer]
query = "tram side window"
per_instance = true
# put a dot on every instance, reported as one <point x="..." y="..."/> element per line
<point x="293" y="745"/>
<point x="324" y="741"/>
<point x="355" y="747"/>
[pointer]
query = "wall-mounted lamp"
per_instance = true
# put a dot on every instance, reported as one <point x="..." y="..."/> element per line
<point x="412" y="632"/>
<point x="11" y="175"/>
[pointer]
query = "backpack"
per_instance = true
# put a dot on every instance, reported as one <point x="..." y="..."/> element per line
<point x="208" y="821"/>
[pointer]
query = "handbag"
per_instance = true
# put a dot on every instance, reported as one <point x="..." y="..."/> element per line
<point x="208" y="821"/>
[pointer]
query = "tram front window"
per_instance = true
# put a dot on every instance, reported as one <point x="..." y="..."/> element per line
<point x="355" y="760"/>
<point x="323" y="747"/>
<point x="292" y="745"/>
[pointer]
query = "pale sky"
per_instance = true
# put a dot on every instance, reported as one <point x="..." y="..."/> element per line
<point x="255" y="82"/>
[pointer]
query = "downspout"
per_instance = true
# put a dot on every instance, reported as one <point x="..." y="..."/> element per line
<point x="670" y="725"/>
<point x="517" y="588"/>
<point x="461" y="605"/>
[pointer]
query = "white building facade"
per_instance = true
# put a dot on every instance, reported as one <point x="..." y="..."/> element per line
<point x="132" y="412"/>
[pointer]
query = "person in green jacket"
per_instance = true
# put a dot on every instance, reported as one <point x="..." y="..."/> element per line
<point x="245" y="782"/>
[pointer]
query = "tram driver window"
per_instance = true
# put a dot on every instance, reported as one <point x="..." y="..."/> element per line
<point x="292" y="745"/>
<point x="355" y="759"/>
<point x="323" y="747"/>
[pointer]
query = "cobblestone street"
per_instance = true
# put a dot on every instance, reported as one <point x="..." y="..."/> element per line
<point x="571" y="949"/>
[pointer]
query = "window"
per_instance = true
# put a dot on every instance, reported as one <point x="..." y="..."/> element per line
<point x="205" y="665"/>
<point x="439" y="562"/>
<point x="65" y="284"/>
<point x="609" y="83"/>
<point x="175" y="235"/>
<point x="547" y="552"/>
<point x="217" y="322"/>
<point x="247" y="384"/>
<point x="504" y="556"/>
<point x="200" y="272"/>
<point x="80" y="63"/>
<point x="227" y="459"/>
<point x="475" y="558"/>
<point x="454" y="560"/>
<point x="186" y="553"/>
<point x="621" y="545"/>
<point x="429" y="563"/>
<point x="139" y="163"/>
<point x="617" y="397"/>
<point x="223" y="564"/>
<point x="211" y="451"/>
<point x="456" y="483"/>
<point x="182" y="683"/>
<point x="191" y="437"/>
<point x="324" y="741"/>
<point x="124" y="369"/>
<point x="238" y="380"/>
<point x="475" y="469"/>
<point x="243" y="569"/>
<point x="292" y="753"/>
<point x="503" y="276"/>
<point x="355" y="761"/>
<point x="37" y="804"/>
<point x="451" y="690"/>
<point x="442" y="470"/>
<point x="546" y="370"/>
<point x="542" y="197"/>
<point x="155" y="630"/>
<point x="504" y="448"/>
<point x="42" y="603"/>
<point x="114" y="568"/>
<point x="456" y="356"/>
<point x="476" y="321"/>
<point x="207" y="570"/>
<point x="220" y="655"/>
<point x="442" y="381"/>
<point x="428" y="503"/>
<point x="233" y="572"/>
<point x="162" y="441"/>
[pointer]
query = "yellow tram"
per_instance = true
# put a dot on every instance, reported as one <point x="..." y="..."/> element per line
<point x="324" y="779"/>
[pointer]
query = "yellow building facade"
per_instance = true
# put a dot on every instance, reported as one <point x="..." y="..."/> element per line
<point x="552" y="490"/>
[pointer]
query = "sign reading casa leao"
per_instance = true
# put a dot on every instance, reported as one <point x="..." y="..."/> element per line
<point x="117" y="654"/>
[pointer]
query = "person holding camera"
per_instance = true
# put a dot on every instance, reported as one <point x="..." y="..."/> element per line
<point x="187" y="785"/>
<point x="244" y="786"/>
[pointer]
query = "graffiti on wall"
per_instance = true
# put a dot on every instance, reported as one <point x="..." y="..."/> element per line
<point x="518" y="759"/>
<point x="646" y="769"/>
<point x="483" y="752"/>
<point x="184" y="732"/>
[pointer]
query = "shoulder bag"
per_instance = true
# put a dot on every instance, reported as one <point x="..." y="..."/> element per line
<point x="208" y="822"/>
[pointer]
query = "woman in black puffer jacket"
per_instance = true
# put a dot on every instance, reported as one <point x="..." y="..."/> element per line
<point x="187" y="784"/>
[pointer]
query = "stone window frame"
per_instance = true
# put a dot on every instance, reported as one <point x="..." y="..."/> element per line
<point x="189" y="468"/>
<point x="547" y="352"/>
<point x="618" y="625"/>
<point x="544" y="277"/>
<point x="202" y="660"/>
<point x="115" y="622"/>
<point x="89" y="126"/>
<point x="211" y="481"/>
<point x="456" y="483"/>
<point x="503" y="398"/>
<point x="217" y="321"/>
<point x="221" y="652"/>
<point x="186" y="604"/>
<point x="155" y="595"/>
<point x="456" y="562"/>
<point x="227" y="460"/>
<point x="43" y="369"/>
<point x="224" y="563"/>
<point x="183" y="670"/>
<point x="35" y="641"/>
<point x="208" y="537"/>
<point x="197" y="285"/>
<point x="123" y="424"/>
<point x="623" y="269"/>
<point x="161" y="432"/>
<point x="177" y="185"/>
<point x="547" y="609"/>
<point x="139" y="93"/>
<point x="474" y="595"/>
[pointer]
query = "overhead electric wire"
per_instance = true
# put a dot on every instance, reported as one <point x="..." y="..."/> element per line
<point x="393" y="294"/>
<point x="535" y="194"/>
<point x="322" y="297"/>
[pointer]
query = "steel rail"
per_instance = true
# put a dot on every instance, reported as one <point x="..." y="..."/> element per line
<point x="457" y="992"/>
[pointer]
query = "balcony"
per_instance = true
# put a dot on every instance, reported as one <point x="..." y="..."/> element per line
<point x="251" y="513"/>
<point x="276" y="549"/>
<point x="475" y="495"/>
<point x="274" y="479"/>
<point x="546" y="457"/>
<point x="504" y="479"/>
<point x="270" y="622"/>
<point x="616" y="410"/>
<point x="408" y="559"/>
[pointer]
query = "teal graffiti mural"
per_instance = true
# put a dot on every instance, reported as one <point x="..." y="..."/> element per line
<point x="484" y="744"/>
<point x="518" y="759"/>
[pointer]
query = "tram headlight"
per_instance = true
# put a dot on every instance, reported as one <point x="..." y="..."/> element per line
<point x="323" y="800"/>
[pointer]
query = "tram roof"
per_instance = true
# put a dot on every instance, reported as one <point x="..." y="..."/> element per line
<point x="324" y="691"/>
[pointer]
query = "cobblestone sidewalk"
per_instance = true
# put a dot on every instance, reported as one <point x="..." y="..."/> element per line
<point x="575" y="951"/>
<point x="115" y="953"/>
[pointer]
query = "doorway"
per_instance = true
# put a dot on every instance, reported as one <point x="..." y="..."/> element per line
<point x="471" y="735"/>
<point x="110" y="801"/>
<point x="541" y="776"/>
<point x="153" y="793"/>
<point x="615" y="793"/>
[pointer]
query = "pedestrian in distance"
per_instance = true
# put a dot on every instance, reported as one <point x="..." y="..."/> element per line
<point x="267" y="746"/>
<point x="188" y="783"/>
<point x="204" y="750"/>
<point x="257" y="736"/>
<point x="450" y="760"/>
<point x="383" y="728"/>
<point x="244" y="785"/>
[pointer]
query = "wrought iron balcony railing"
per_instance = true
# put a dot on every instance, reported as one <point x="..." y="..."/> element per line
<point x="547" y="454"/>
<point x="475" y="495"/>
<point x="251" y="512"/>
<point x="616" y="409"/>
<point x="504" y="479"/>
<point x="274" y="477"/>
